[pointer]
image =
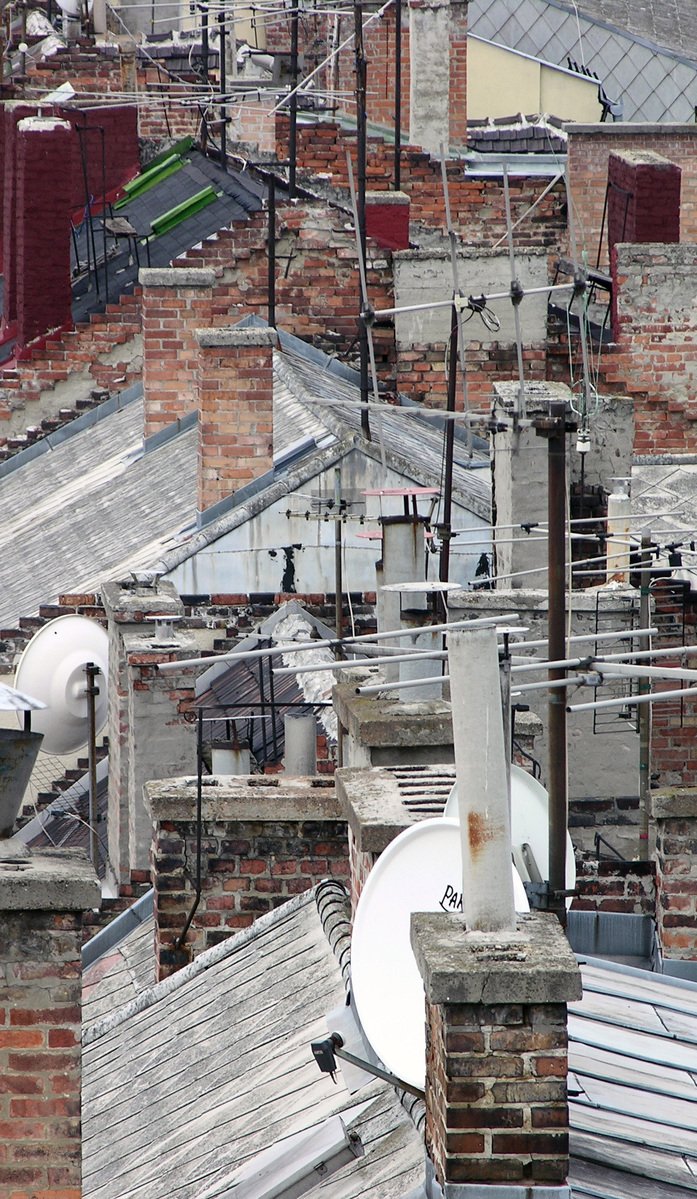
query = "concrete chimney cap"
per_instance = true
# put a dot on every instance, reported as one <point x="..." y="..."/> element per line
<point x="262" y="335"/>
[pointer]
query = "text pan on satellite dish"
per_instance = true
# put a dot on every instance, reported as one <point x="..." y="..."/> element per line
<point x="420" y="871"/>
<point x="52" y="669"/>
<point x="529" y="827"/>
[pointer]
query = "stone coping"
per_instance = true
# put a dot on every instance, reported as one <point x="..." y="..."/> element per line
<point x="674" y="802"/>
<point x="186" y="276"/>
<point x="533" y="964"/>
<point x="237" y="338"/>
<point x="387" y="722"/>
<point x="247" y="797"/>
<point x="56" y="880"/>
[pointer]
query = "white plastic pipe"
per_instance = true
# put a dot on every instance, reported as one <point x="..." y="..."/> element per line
<point x="300" y="730"/>
<point x="618" y="518"/>
<point x="482" y="786"/>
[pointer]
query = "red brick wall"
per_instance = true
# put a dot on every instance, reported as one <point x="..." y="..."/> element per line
<point x="496" y="1107"/>
<point x="673" y="725"/>
<point x="44" y="299"/>
<point x="676" y="885"/>
<point x="643" y="199"/>
<point x="40" y="1055"/>
<point x="250" y="864"/>
<point x="589" y="150"/>
<point x="235" y="390"/>
<point x="172" y="312"/>
<point x="656" y="336"/>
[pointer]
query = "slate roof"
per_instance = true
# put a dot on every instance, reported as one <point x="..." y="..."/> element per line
<point x="200" y="1073"/>
<point x="87" y="503"/>
<point x="645" y="54"/>
<point x="89" y="506"/>
<point x="64" y="822"/>
<point x="120" y="974"/>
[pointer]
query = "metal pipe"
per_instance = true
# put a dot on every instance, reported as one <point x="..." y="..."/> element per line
<point x="398" y="97"/>
<point x="361" y="148"/>
<point x="648" y="672"/>
<point x="357" y="663"/>
<point x="501" y="295"/>
<point x="199" y="824"/>
<point x="338" y="573"/>
<point x="92" y="692"/>
<point x="556" y="629"/>
<point x="448" y="452"/>
<point x="645" y="709"/>
<point x="271" y="247"/>
<point x="293" y="101"/>
<point x="378" y="688"/>
<point x="333" y="642"/>
<point x="223" y="89"/>
<point x="632" y="701"/>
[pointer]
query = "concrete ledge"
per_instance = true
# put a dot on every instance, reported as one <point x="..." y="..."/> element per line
<point x="534" y="964"/>
<point x="188" y="276"/>
<point x="622" y="129"/>
<point x="57" y="880"/>
<point x="385" y="197"/>
<point x="249" y="797"/>
<point x="383" y="722"/>
<point x="674" y="803"/>
<point x="237" y="338"/>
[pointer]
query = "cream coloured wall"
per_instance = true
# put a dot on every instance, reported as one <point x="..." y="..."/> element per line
<point x="502" y="82"/>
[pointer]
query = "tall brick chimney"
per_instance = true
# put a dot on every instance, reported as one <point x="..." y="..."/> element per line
<point x="43" y="206"/>
<point x="42" y="898"/>
<point x="176" y="302"/>
<point x="235" y="410"/>
<point x="496" y="1055"/>
<point x="438" y="79"/>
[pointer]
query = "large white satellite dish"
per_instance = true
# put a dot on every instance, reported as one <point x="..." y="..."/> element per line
<point x="420" y="871"/>
<point x="529" y="822"/>
<point x="52" y="669"/>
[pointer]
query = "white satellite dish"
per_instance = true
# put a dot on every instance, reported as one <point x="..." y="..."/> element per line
<point x="420" y="871"/>
<point x="52" y="669"/>
<point x="529" y="823"/>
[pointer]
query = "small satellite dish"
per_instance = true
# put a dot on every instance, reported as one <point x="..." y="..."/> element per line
<point x="529" y="823"/>
<point x="420" y="871"/>
<point x="52" y="669"/>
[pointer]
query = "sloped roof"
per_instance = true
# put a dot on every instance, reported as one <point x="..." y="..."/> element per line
<point x="237" y="195"/>
<point x="120" y="974"/>
<point x="89" y="506"/>
<point x="633" y="1085"/>
<point x="644" y="54"/>
<point x="199" y="1074"/>
<point x="87" y="503"/>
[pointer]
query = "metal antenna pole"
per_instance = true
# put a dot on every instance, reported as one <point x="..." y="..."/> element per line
<point x="293" y="134"/>
<point x="398" y="96"/>
<point x="361" y="168"/>
<point x="446" y="526"/>
<point x="582" y="319"/>
<point x="516" y="296"/>
<point x="339" y="583"/>
<point x="452" y="238"/>
<point x="365" y="309"/>
<point x="558" y="782"/>
<point x="644" y="710"/>
<point x="271" y="248"/>
<point x="223" y="88"/>
<point x="92" y="692"/>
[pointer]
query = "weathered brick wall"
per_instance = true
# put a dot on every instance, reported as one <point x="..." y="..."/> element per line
<point x="477" y="204"/>
<point x="42" y="899"/>
<point x="614" y="886"/>
<point x="361" y="864"/>
<point x="42" y="247"/>
<point x="673" y="724"/>
<point x="675" y="815"/>
<point x="264" y="839"/>
<point x="40" y="1054"/>
<point x="316" y="277"/>
<point x="51" y="360"/>
<point x="175" y="303"/>
<point x="496" y="1108"/>
<point x="589" y="149"/>
<point x="235" y="396"/>
<point x="643" y="202"/>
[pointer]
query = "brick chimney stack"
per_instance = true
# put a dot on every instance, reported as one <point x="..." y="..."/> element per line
<point x="496" y="1055"/>
<point x="42" y="898"/>
<point x="176" y="302"/>
<point x="235" y="410"/>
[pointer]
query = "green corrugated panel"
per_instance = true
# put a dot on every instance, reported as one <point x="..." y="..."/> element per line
<point x="162" y="224"/>
<point x="150" y="178"/>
